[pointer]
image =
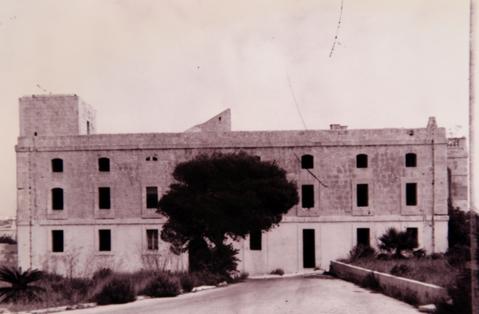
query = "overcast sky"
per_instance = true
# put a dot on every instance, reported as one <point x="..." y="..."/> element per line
<point x="163" y="66"/>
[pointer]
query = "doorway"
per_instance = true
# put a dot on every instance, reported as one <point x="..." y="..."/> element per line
<point x="309" y="252"/>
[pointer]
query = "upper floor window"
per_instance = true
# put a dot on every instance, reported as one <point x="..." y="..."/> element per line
<point x="307" y="162"/>
<point x="104" y="164"/>
<point x="57" y="199"/>
<point x="307" y="196"/>
<point x="151" y="197"/>
<point x="411" y="194"/>
<point x="152" y="239"/>
<point x="57" y="165"/>
<point x="410" y="160"/>
<point x="362" y="195"/>
<point x="255" y="240"/>
<point x="57" y="240"/>
<point x="104" y="198"/>
<point x="361" y="161"/>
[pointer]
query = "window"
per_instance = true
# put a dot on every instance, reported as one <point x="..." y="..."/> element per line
<point x="307" y="162"/>
<point x="362" y="195"/>
<point x="57" y="165"/>
<point x="104" y="240"/>
<point x="151" y="197"/>
<point x="255" y="240"/>
<point x="410" y="160"/>
<point x="152" y="239"/>
<point x="57" y="240"/>
<point x="88" y="127"/>
<point x="411" y="194"/>
<point x="362" y="236"/>
<point x="103" y="164"/>
<point x="412" y="233"/>
<point x="57" y="199"/>
<point x="307" y="196"/>
<point x="361" y="161"/>
<point x="104" y="198"/>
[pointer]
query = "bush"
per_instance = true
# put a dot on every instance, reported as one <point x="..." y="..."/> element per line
<point x="394" y="241"/>
<point x="400" y="269"/>
<point x="20" y="284"/>
<point x="187" y="282"/>
<point x="164" y="285"/>
<point x="116" y="291"/>
<point x="102" y="273"/>
<point x="7" y="239"/>
<point x="277" y="271"/>
<point x="361" y="251"/>
<point x="208" y="278"/>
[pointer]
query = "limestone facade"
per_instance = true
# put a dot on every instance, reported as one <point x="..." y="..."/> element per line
<point x="106" y="218"/>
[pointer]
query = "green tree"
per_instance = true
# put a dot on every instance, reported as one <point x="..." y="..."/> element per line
<point x="221" y="197"/>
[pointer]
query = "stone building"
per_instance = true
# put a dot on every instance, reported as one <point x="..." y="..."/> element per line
<point x="88" y="200"/>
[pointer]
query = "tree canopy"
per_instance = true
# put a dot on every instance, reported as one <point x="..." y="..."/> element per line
<point x="220" y="196"/>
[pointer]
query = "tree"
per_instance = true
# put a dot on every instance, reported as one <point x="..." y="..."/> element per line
<point x="221" y="197"/>
<point x="394" y="241"/>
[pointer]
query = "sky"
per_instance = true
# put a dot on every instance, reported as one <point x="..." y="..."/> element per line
<point x="164" y="66"/>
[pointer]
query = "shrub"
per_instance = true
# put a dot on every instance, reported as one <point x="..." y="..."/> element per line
<point x="7" y="239"/>
<point x="164" y="285"/>
<point x="400" y="269"/>
<point x="187" y="282"/>
<point x="394" y="241"/>
<point x="102" y="273"/>
<point x="361" y="251"/>
<point x="277" y="271"/>
<point x="208" y="278"/>
<point x="116" y="291"/>
<point x="21" y="287"/>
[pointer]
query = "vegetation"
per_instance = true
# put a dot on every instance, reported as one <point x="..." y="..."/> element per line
<point x="220" y="198"/>
<point x="7" y="239"/>
<point x="164" y="285"/>
<point x="21" y="287"/>
<point x="116" y="291"/>
<point x="277" y="271"/>
<point x="395" y="242"/>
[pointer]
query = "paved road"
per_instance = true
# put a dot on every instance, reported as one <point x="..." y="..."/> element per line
<point x="278" y="296"/>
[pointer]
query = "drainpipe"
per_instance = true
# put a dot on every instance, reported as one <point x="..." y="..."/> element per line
<point x="433" y="222"/>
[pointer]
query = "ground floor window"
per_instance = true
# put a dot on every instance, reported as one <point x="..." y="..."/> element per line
<point x="413" y="234"/>
<point x="57" y="240"/>
<point x="255" y="240"/>
<point x="152" y="239"/>
<point x="104" y="240"/>
<point x="362" y="237"/>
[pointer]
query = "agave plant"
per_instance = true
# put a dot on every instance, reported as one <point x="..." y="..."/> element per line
<point x="21" y="287"/>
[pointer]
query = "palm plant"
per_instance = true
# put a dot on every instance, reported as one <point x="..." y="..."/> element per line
<point x="21" y="287"/>
<point x="394" y="241"/>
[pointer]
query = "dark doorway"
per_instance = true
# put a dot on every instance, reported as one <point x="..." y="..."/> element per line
<point x="309" y="253"/>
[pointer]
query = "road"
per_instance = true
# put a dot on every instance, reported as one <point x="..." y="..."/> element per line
<point x="288" y="295"/>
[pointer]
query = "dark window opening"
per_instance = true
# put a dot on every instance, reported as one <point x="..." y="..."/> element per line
<point x="152" y="239"/>
<point x="410" y="160"/>
<point x="57" y="199"/>
<point x="104" y="240"/>
<point x="57" y="165"/>
<point x="309" y="249"/>
<point x="361" y="161"/>
<point x="88" y="127"/>
<point x="413" y="234"/>
<point x="362" y="235"/>
<point x="35" y="134"/>
<point x="255" y="240"/>
<point x="148" y="158"/>
<point x="362" y="195"/>
<point x="103" y="164"/>
<point x="307" y="162"/>
<point x="307" y="196"/>
<point x="151" y="197"/>
<point x="104" y="198"/>
<point x="411" y="194"/>
<point x="57" y="240"/>
<point x="155" y="158"/>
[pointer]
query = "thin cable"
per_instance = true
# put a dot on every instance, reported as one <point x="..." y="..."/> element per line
<point x="295" y="101"/>
<point x="335" y="41"/>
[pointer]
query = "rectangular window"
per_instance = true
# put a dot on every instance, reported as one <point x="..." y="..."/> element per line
<point x="57" y="240"/>
<point x="104" y="198"/>
<point x="57" y="199"/>
<point x="362" y="195"/>
<point x="362" y="236"/>
<point x="411" y="194"/>
<point x="104" y="164"/>
<point x="151" y="197"/>
<point x="412" y="233"/>
<point x="104" y="240"/>
<point x="307" y="196"/>
<point x="255" y="240"/>
<point x="152" y="239"/>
